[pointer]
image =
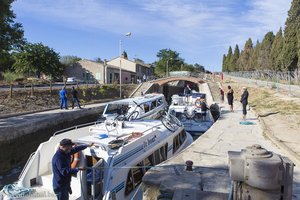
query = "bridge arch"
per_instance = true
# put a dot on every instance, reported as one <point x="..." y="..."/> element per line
<point x="179" y="78"/>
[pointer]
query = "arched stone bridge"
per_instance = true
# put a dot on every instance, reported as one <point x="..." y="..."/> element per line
<point x="178" y="78"/>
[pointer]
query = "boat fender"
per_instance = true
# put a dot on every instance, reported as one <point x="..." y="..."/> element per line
<point x="198" y="103"/>
<point x="75" y="160"/>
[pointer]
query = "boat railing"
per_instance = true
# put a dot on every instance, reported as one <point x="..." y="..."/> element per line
<point x="29" y="159"/>
<point x="74" y="127"/>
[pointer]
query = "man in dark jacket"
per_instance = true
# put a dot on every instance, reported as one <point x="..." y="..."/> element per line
<point x="61" y="167"/>
<point x="244" y="101"/>
<point x="74" y="93"/>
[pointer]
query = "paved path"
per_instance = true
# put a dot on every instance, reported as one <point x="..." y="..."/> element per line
<point x="13" y="127"/>
<point x="209" y="151"/>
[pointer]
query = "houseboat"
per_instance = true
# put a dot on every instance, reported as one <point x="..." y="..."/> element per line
<point x="196" y="120"/>
<point x="123" y="151"/>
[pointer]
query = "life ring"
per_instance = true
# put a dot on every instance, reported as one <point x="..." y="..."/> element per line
<point x="198" y="103"/>
<point x="75" y="160"/>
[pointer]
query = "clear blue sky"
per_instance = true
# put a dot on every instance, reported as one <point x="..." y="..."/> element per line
<point x="200" y="30"/>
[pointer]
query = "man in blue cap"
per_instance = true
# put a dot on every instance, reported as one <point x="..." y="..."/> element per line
<point x="61" y="167"/>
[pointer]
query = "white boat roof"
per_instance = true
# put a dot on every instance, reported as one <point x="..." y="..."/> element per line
<point x="139" y="100"/>
<point x="143" y="127"/>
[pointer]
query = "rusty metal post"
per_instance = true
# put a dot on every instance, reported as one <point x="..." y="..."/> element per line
<point x="11" y="91"/>
<point x="189" y="165"/>
<point x="32" y="89"/>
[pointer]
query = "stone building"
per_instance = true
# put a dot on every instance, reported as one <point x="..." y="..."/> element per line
<point x="92" y="72"/>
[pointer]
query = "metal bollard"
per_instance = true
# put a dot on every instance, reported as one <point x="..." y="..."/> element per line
<point x="189" y="165"/>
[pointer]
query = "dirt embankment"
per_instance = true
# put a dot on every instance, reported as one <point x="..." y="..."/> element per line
<point x="24" y="101"/>
<point x="279" y="112"/>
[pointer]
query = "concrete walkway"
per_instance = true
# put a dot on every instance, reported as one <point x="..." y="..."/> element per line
<point x="13" y="127"/>
<point x="210" y="154"/>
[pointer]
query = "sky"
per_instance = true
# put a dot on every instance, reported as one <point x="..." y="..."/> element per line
<point x="199" y="30"/>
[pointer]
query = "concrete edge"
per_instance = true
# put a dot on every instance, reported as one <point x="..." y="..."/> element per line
<point x="49" y="109"/>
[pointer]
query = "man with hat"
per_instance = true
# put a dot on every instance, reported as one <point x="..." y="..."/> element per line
<point x="61" y="167"/>
<point x="244" y="101"/>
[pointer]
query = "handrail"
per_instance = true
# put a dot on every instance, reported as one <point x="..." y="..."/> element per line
<point x="74" y="128"/>
<point x="25" y="166"/>
<point x="136" y="89"/>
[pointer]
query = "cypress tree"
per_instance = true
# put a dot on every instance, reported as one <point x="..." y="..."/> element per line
<point x="224" y="68"/>
<point x="229" y="60"/>
<point x="276" y="51"/>
<point x="245" y="56"/>
<point x="255" y="56"/>
<point x="264" y="59"/>
<point x="235" y="58"/>
<point x="290" y="46"/>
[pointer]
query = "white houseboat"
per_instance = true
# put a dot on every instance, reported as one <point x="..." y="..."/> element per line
<point x="188" y="110"/>
<point x="123" y="152"/>
<point x="147" y="106"/>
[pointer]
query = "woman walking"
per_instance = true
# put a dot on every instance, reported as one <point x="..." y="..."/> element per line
<point x="230" y="97"/>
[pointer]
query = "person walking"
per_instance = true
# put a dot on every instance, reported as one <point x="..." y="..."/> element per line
<point x="244" y="101"/>
<point x="61" y="167"/>
<point x="63" y="98"/>
<point x="204" y="109"/>
<point x="74" y="93"/>
<point x="221" y="95"/>
<point x="144" y="78"/>
<point x="187" y="92"/>
<point x="230" y="97"/>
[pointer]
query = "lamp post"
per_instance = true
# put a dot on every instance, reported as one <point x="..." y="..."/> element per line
<point x="120" y="54"/>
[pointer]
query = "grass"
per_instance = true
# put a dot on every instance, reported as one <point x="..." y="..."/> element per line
<point x="11" y="76"/>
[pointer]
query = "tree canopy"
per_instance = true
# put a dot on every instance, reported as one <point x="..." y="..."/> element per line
<point x="11" y="34"/>
<point x="171" y="60"/>
<point x="69" y="60"/>
<point x="279" y="53"/>
<point x="35" y="59"/>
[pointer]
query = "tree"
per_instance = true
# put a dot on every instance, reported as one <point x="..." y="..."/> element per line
<point x="244" y="61"/>
<point x="11" y="34"/>
<point x="124" y="55"/>
<point x="199" y="68"/>
<point x="264" y="59"/>
<point x="224" y="67"/>
<point x="167" y="56"/>
<point x="276" y="51"/>
<point x="35" y="59"/>
<point x="228" y="62"/>
<point x="292" y="27"/>
<point x="98" y="60"/>
<point x="69" y="60"/>
<point x="235" y="58"/>
<point x="255" y="56"/>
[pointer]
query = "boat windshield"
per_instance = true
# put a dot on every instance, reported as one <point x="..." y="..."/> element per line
<point x="117" y="109"/>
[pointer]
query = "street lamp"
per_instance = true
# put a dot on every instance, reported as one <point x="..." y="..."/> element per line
<point x="120" y="53"/>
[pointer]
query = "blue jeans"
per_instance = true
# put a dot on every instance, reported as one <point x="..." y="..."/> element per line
<point x="63" y="103"/>
<point x="77" y="100"/>
<point x="62" y="193"/>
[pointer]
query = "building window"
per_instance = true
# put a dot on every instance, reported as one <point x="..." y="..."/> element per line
<point x="98" y="76"/>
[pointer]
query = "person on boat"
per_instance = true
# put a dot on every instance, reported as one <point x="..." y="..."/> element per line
<point x="187" y="92"/>
<point x="204" y="109"/>
<point x="74" y="93"/>
<point x="61" y="167"/>
<point x="230" y="97"/>
<point x="244" y="101"/>
<point x="63" y="98"/>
